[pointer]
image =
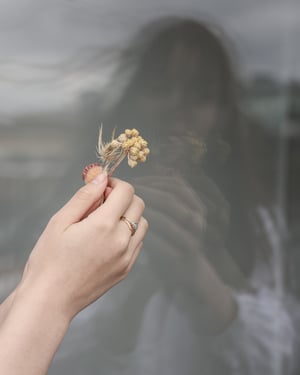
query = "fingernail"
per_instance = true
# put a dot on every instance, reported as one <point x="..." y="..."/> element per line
<point x="100" y="178"/>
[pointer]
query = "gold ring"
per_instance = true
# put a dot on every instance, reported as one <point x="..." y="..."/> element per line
<point x="131" y="224"/>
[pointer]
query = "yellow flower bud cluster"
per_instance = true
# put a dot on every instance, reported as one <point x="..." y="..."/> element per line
<point x="135" y="146"/>
<point x="129" y="144"/>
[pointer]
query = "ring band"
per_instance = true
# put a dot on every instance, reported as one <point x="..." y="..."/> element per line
<point x="131" y="224"/>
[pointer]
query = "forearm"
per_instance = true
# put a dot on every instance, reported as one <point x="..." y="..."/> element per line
<point x="213" y="303"/>
<point x="31" y="332"/>
<point x="82" y="253"/>
<point x="218" y="298"/>
<point x="5" y="307"/>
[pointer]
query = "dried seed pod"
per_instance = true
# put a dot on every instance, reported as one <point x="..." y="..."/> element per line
<point x="141" y="154"/>
<point x="111" y="154"/>
<point x="134" y="132"/>
<point x="91" y="171"/>
<point x="133" y="151"/>
<point x="122" y="137"/>
<point x="129" y="143"/>
<point x="132" y="163"/>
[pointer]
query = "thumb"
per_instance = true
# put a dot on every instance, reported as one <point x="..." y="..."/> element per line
<point x="82" y="201"/>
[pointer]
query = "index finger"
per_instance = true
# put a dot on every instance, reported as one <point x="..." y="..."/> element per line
<point x="118" y="200"/>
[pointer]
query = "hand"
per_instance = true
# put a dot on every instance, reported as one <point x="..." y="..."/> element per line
<point x="177" y="218"/>
<point x="201" y="214"/>
<point x="81" y="254"/>
<point x="185" y="224"/>
<point x="84" y="251"/>
<point x="181" y="219"/>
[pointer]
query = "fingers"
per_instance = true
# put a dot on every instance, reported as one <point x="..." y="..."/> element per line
<point x="135" y="245"/>
<point x="175" y="234"/>
<point x="133" y="213"/>
<point x="118" y="200"/>
<point x="99" y="201"/>
<point x="82" y="202"/>
<point x="176" y="191"/>
<point x="177" y="207"/>
<point x="139" y="235"/>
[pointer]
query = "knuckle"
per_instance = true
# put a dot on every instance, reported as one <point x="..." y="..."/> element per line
<point x="128" y="188"/>
<point x="126" y="264"/>
<point x="140" y="202"/>
<point x="54" y="220"/>
<point x="146" y="224"/>
<point x="105" y="226"/>
<point x="121" y="244"/>
<point x="83" y="193"/>
<point x="122" y="275"/>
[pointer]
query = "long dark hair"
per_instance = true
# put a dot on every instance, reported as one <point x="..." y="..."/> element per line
<point x="173" y="65"/>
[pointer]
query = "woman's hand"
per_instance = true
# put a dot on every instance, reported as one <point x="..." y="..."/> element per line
<point x="79" y="258"/>
<point x="84" y="251"/>
<point x="178" y="222"/>
<point x="181" y="221"/>
<point x="183" y="216"/>
<point x="189" y="221"/>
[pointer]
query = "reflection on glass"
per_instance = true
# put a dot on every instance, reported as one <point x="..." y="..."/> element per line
<point x="209" y="293"/>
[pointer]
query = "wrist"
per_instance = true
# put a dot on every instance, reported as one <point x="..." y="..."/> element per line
<point x="218" y="298"/>
<point x="43" y="298"/>
<point x="32" y="331"/>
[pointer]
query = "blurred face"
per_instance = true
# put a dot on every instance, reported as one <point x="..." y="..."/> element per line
<point x="197" y="121"/>
<point x="181" y="117"/>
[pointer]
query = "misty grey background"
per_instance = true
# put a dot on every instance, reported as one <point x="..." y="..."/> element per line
<point x="50" y="50"/>
<point x="56" y="60"/>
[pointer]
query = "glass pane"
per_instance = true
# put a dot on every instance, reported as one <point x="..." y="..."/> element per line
<point x="214" y="87"/>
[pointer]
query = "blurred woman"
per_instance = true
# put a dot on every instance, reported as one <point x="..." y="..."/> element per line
<point x="203" y="190"/>
<point x="189" y="306"/>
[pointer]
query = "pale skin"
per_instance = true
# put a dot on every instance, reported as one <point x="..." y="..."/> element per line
<point x="83" y="252"/>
